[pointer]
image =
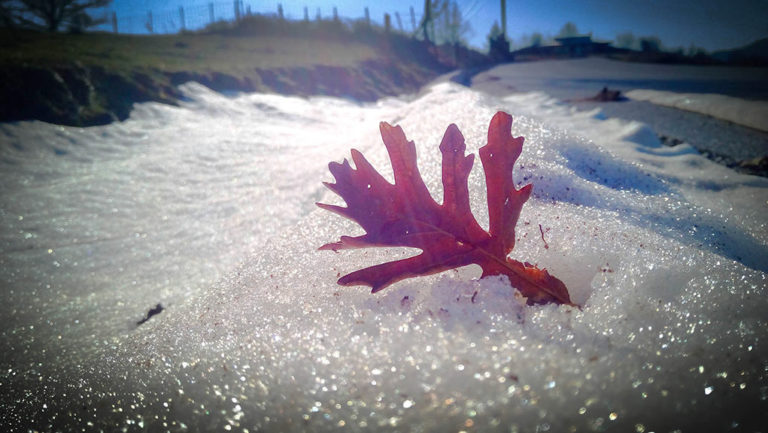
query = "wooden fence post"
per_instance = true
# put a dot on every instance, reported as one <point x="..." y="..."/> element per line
<point x="237" y="10"/>
<point x="335" y="14"/>
<point x="413" y="20"/>
<point x="280" y="11"/>
<point x="150" y="26"/>
<point x="399" y="21"/>
<point x="387" y="23"/>
<point x="306" y="13"/>
<point x="367" y="17"/>
<point x="181" y="17"/>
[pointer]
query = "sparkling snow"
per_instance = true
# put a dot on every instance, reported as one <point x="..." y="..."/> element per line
<point x="208" y="209"/>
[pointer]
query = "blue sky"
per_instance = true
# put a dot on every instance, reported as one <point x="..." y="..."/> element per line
<point x="712" y="24"/>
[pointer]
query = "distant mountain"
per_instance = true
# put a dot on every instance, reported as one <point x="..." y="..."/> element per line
<point x="755" y="53"/>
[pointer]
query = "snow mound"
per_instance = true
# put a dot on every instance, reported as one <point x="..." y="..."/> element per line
<point x="665" y="251"/>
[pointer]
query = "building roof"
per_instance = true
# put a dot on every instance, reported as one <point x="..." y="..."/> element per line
<point x="575" y="40"/>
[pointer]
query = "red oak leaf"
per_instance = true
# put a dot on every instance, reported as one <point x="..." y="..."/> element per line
<point x="405" y="215"/>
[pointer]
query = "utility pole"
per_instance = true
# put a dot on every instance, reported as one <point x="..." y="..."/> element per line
<point x="499" y="49"/>
<point x="504" y="18"/>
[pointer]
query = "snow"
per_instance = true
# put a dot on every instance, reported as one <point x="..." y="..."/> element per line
<point x="584" y="77"/>
<point x="753" y="114"/>
<point x="208" y="208"/>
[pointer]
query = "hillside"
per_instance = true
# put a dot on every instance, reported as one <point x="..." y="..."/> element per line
<point x="95" y="78"/>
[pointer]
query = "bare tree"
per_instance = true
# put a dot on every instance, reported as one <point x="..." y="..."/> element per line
<point x="52" y="15"/>
<point x="9" y="10"/>
<point x="427" y="24"/>
<point x="450" y="26"/>
<point x="650" y="44"/>
<point x="495" y="31"/>
<point x="694" y="51"/>
<point x="536" y="39"/>
<point x="625" y="40"/>
<point x="569" y="29"/>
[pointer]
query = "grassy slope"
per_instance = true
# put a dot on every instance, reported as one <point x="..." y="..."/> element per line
<point x="95" y="78"/>
<point x="185" y="52"/>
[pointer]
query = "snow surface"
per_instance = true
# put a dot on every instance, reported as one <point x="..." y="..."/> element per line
<point x="208" y="208"/>
<point x="718" y="99"/>
<point x="753" y="114"/>
<point x="584" y="77"/>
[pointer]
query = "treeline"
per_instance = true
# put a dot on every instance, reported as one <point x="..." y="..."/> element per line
<point x="627" y="46"/>
<point x="625" y="40"/>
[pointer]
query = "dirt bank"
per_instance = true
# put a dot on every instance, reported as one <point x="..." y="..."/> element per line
<point x="94" y="79"/>
<point x="80" y="95"/>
